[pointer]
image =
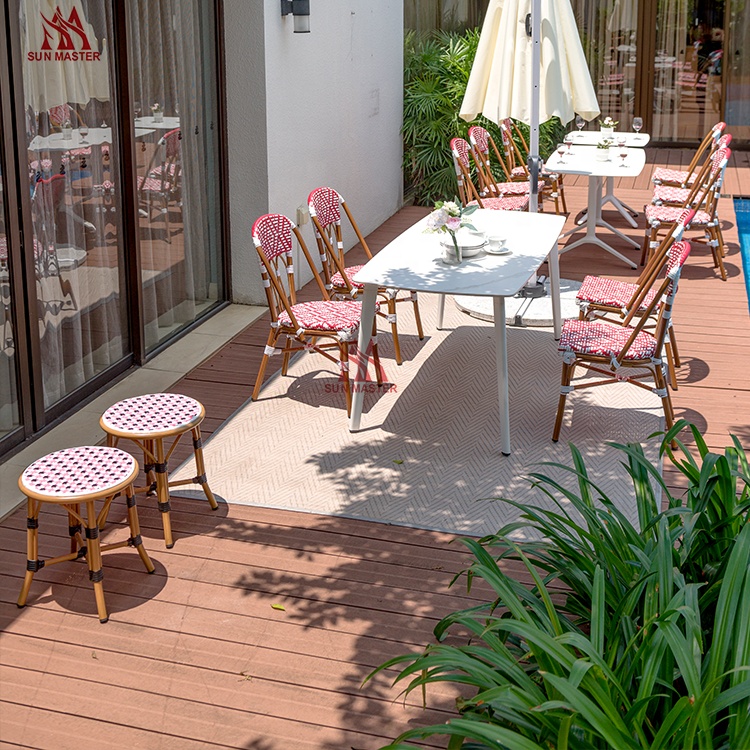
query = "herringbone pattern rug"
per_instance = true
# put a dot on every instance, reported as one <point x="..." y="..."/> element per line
<point x="428" y="454"/>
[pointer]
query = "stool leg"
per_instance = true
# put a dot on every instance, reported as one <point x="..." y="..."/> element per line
<point x="94" y="559"/>
<point x="148" y="466"/>
<point x="32" y="549"/>
<point x="162" y="492"/>
<point x="74" y="528"/>
<point x="135" y="529"/>
<point x="200" y="468"/>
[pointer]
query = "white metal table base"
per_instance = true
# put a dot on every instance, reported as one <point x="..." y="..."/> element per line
<point x="609" y="197"/>
<point x="595" y="211"/>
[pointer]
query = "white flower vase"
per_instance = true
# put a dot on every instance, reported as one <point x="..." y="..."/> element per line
<point x="607" y="132"/>
<point x="67" y="133"/>
<point x="602" y="154"/>
<point x="159" y="116"/>
<point x="451" y="252"/>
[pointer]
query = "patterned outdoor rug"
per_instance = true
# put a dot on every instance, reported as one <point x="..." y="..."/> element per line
<point x="428" y="454"/>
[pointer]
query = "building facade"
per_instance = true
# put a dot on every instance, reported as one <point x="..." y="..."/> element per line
<point x="140" y="139"/>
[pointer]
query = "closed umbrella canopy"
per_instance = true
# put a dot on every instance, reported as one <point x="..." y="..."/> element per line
<point x="500" y="84"/>
<point x="64" y="62"/>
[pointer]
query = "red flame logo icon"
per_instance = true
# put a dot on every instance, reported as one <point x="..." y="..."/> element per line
<point x="65" y="28"/>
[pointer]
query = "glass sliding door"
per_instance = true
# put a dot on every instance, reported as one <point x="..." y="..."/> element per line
<point x="737" y="67"/>
<point x="689" y="64"/>
<point x="9" y="406"/>
<point x="172" y="53"/>
<point x="608" y="35"/>
<point x="73" y="183"/>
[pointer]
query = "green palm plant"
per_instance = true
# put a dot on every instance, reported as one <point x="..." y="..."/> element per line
<point x="650" y="645"/>
<point x="436" y="72"/>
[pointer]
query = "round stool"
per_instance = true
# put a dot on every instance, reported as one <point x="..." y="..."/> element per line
<point x="70" y="478"/>
<point x="148" y="421"/>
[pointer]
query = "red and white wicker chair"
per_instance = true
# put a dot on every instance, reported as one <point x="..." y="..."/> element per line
<point x="706" y="196"/>
<point x="162" y="183"/>
<point x="608" y="299"/>
<point x="669" y="195"/>
<point x="686" y="177"/>
<point x="325" y="206"/>
<point x="336" y="322"/>
<point x="467" y="191"/>
<point x="483" y="148"/>
<point x="623" y="353"/>
<point x="516" y="153"/>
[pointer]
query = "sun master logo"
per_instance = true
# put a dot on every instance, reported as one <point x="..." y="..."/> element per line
<point x="64" y="40"/>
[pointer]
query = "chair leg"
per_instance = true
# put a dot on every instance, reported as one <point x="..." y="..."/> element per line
<point x="344" y="363"/>
<point x="567" y="373"/>
<point x="135" y="529"/>
<point x="200" y="468"/>
<point x="287" y="355"/>
<point x="666" y="401"/>
<point x="670" y="364"/>
<point x="417" y="316"/>
<point x="376" y="354"/>
<point x="717" y="251"/>
<point x="270" y="345"/>
<point x="94" y="559"/>
<point x="561" y="191"/>
<point x="162" y="492"/>
<point x="32" y="548"/>
<point x="394" y="326"/>
<point x="673" y="343"/>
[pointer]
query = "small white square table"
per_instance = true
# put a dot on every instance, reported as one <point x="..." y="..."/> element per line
<point x="413" y="261"/>
<point x="583" y="160"/>
<point x="632" y="140"/>
<point x="166" y="123"/>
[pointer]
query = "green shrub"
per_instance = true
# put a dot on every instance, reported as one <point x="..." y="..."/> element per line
<point x="436" y="71"/>
<point x="649" y="647"/>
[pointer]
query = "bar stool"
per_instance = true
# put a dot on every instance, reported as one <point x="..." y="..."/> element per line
<point x="72" y="477"/>
<point x="149" y="420"/>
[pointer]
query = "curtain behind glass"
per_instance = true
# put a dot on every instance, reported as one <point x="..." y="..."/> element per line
<point x="73" y="182"/>
<point x="173" y="71"/>
<point x="608" y="36"/>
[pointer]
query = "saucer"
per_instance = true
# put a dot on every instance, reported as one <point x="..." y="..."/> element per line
<point x="502" y="250"/>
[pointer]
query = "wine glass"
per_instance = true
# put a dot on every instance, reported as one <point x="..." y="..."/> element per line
<point x="84" y="131"/>
<point x="637" y="125"/>
<point x="137" y="110"/>
<point x="623" y="150"/>
<point x="568" y="140"/>
<point x="561" y="148"/>
<point x="580" y="122"/>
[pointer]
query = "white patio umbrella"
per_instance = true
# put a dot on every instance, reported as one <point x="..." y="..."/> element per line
<point x="530" y="78"/>
<point x="64" y="62"/>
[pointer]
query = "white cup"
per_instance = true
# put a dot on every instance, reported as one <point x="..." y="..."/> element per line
<point x="496" y="243"/>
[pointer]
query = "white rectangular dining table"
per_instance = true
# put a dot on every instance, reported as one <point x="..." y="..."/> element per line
<point x="583" y="160"/>
<point x="414" y="261"/>
<point x="632" y="140"/>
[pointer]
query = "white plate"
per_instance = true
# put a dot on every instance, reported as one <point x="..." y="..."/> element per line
<point x="504" y="250"/>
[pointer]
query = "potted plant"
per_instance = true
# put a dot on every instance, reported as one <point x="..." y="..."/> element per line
<point x="607" y="126"/>
<point x="602" y="149"/>
<point x="448" y="218"/>
<point x="158" y="112"/>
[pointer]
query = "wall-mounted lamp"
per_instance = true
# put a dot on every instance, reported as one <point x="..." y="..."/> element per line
<point x="300" y="9"/>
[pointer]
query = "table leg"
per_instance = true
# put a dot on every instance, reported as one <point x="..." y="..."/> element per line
<point x="367" y="316"/>
<point x="501" y="356"/>
<point x="593" y="218"/>
<point x="610" y="197"/>
<point x="440" y="311"/>
<point x="554" y="283"/>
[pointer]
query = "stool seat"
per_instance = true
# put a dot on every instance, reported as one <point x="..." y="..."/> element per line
<point x="152" y="415"/>
<point x="72" y="478"/>
<point x="78" y="473"/>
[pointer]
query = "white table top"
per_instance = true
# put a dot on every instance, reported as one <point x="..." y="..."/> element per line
<point x="582" y="160"/>
<point x="413" y="259"/>
<point x="592" y="137"/>
<point x="168" y="123"/>
<point x="95" y="137"/>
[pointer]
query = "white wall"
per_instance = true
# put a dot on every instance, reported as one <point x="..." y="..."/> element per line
<point x="333" y="111"/>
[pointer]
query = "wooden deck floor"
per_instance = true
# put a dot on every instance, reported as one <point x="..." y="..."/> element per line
<point x="197" y="656"/>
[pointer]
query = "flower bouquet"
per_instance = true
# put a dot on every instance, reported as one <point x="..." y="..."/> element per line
<point x="608" y="125"/>
<point x="448" y="217"/>
<point x="602" y="149"/>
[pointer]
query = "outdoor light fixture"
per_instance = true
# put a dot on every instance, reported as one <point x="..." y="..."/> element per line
<point x="300" y="9"/>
